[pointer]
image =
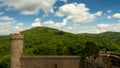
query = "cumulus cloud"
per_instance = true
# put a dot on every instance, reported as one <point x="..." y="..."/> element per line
<point x="71" y="9"/>
<point x="107" y="27"/>
<point x="7" y="18"/>
<point x="17" y="27"/>
<point x="28" y="7"/>
<point x="109" y="17"/>
<point x="116" y="15"/>
<point x="49" y="23"/>
<point x="52" y="24"/>
<point x="79" y="13"/>
<point x="5" y="27"/>
<point x="69" y="28"/>
<point x="80" y="29"/>
<point x="20" y="24"/>
<point x="99" y="13"/>
<point x="5" y="24"/>
<point x="99" y="28"/>
<point x="36" y="23"/>
<point x="103" y="26"/>
<point x="8" y="25"/>
<point x="109" y="11"/>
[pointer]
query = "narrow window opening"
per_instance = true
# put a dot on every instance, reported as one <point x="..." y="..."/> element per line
<point x="56" y="66"/>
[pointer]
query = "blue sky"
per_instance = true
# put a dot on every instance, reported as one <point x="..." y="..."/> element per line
<point x="76" y="16"/>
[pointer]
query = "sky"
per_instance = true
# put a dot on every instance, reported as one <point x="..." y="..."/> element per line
<point x="75" y="16"/>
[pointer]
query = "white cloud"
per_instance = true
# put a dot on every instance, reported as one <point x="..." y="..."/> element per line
<point x="28" y="7"/>
<point x="80" y="29"/>
<point x="107" y="27"/>
<point x="69" y="28"/>
<point x="7" y="18"/>
<point x="51" y="11"/>
<point x="52" y="24"/>
<point x="109" y="17"/>
<point x="99" y="28"/>
<point x="116" y="15"/>
<point x="36" y="23"/>
<point x="109" y="11"/>
<point x="6" y="24"/>
<point x="49" y="23"/>
<point x="77" y="12"/>
<point x="5" y="27"/>
<point x="71" y="9"/>
<point x="18" y="26"/>
<point x="99" y="13"/>
<point x="103" y="26"/>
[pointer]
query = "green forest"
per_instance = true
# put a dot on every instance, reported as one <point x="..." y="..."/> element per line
<point x="49" y="41"/>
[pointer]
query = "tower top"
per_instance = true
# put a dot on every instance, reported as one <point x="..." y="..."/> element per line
<point x="17" y="35"/>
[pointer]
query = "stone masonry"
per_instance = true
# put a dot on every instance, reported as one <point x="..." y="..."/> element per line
<point x="16" y="49"/>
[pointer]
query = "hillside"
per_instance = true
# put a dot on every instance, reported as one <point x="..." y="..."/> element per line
<point x="48" y="41"/>
<point x="110" y="35"/>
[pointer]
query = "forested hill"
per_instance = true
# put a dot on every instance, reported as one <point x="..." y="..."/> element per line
<point x="48" y="41"/>
<point x="109" y="35"/>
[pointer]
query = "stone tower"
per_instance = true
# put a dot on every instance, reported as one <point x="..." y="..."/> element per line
<point x="16" y="49"/>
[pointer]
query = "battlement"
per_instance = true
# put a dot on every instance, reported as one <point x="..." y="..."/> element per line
<point x="48" y="57"/>
<point x="16" y="36"/>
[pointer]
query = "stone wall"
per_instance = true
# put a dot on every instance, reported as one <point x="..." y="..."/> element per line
<point x="50" y="62"/>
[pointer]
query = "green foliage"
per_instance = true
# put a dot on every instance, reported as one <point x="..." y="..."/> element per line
<point x="91" y="49"/>
<point x="5" y="61"/>
<point x="48" y="41"/>
<point x="4" y="52"/>
<point x="110" y="35"/>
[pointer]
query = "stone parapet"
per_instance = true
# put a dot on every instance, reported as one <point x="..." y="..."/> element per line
<point x="16" y="37"/>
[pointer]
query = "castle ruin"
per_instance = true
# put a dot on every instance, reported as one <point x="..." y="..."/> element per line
<point x="18" y="60"/>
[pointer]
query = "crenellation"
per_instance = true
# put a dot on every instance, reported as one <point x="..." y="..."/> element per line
<point x="16" y="37"/>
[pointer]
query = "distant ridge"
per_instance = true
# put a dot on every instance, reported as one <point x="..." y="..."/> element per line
<point x="109" y="35"/>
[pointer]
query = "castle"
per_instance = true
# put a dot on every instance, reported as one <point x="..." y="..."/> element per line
<point x="18" y="60"/>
